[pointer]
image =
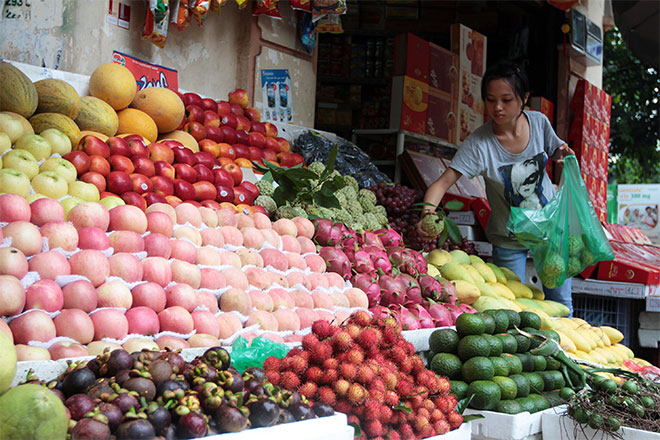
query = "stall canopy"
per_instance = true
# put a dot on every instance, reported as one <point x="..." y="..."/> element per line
<point x="639" y="23"/>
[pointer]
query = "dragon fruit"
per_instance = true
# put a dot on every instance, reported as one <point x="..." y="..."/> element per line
<point x="336" y="261"/>
<point x="407" y="319"/>
<point x="440" y="314"/>
<point x="382" y="312"/>
<point x="369" y="238"/>
<point x="454" y="309"/>
<point x="379" y="258"/>
<point x="367" y="282"/>
<point x="362" y="262"/>
<point x="327" y="232"/>
<point x="389" y="237"/>
<point x="391" y="291"/>
<point x="410" y="285"/>
<point x="423" y="317"/>
<point x="403" y="259"/>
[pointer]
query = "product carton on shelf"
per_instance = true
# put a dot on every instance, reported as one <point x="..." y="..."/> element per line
<point x="470" y="104"/>
<point x="562" y="427"/>
<point x="470" y="46"/>
<point x="499" y="426"/>
<point x="411" y="57"/>
<point x="443" y="70"/>
<point x="543" y="105"/>
<point x="409" y="104"/>
<point x="441" y="116"/>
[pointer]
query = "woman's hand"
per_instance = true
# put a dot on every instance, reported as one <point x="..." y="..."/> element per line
<point x="561" y="152"/>
<point x="418" y="226"/>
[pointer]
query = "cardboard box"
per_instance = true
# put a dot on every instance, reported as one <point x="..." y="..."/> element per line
<point x="443" y="70"/>
<point x="468" y="121"/>
<point x="409" y="104"/>
<point x="627" y="272"/>
<point x="441" y="116"/>
<point x="481" y="209"/>
<point x="470" y="46"/>
<point x="411" y="57"/>
<point x="581" y="128"/>
<point x="545" y="106"/>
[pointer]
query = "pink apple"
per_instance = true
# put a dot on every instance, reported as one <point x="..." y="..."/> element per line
<point x="60" y="235"/>
<point x="91" y="237"/>
<point x="33" y="326"/>
<point x="149" y="295"/>
<point x="44" y="294"/>
<point x="176" y="319"/>
<point x="173" y="343"/>
<point x="128" y="218"/>
<point x="181" y="295"/>
<point x="66" y="350"/>
<point x="91" y="264"/>
<point x="14" y="208"/>
<point x="164" y="169"/>
<point x="89" y="214"/>
<point x="205" y="322"/>
<point x="12" y="300"/>
<point x="118" y="146"/>
<point x="144" y="166"/>
<point x="141" y="183"/>
<point x="214" y="133"/>
<point x="109" y="323"/>
<point x="201" y="340"/>
<point x="75" y="324"/>
<point x="184" y="155"/>
<point x="188" y="273"/>
<point x="164" y="208"/>
<point x="159" y="222"/>
<point x="80" y="294"/>
<point x="13" y="262"/>
<point x="157" y="270"/>
<point x="162" y="185"/>
<point x="24" y="236"/>
<point x="157" y="245"/>
<point x="114" y="294"/>
<point x="208" y="300"/>
<point x="125" y="266"/>
<point x="30" y="353"/>
<point x="96" y="348"/>
<point x="126" y="241"/>
<point x="49" y="265"/>
<point x="242" y="137"/>
<point x="183" y="250"/>
<point x="119" y="182"/>
<point x="134" y="199"/>
<point x="43" y="210"/>
<point x="142" y="321"/>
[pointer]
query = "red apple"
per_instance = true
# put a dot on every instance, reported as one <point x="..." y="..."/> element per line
<point x="223" y="108"/>
<point x="228" y="134"/>
<point x="240" y="97"/>
<point x="160" y="151"/>
<point x="283" y="144"/>
<point x="242" y="123"/>
<point x="173" y="201"/>
<point x="211" y="204"/>
<point x="257" y="140"/>
<point x="94" y="178"/>
<point x="204" y="190"/>
<point x="242" y="195"/>
<point x="172" y="143"/>
<point x="204" y="158"/>
<point x="222" y="177"/>
<point x="252" y="114"/>
<point x="119" y="182"/>
<point x="119" y="146"/>
<point x="141" y="183"/>
<point x="242" y="137"/>
<point x="100" y="165"/>
<point x="194" y="113"/>
<point x="272" y="144"/>
<point x="271" y="129"/>
<point x="80" y="160"/>
<point x="255" y="153"/>
<point x="195" y="129"/>
<point x="204" y="173"/>
<point x="144" y="166"/>
<point x="164" y="169"/>
<point x="214" y="133"/>
<point x="236" y="109"/>
<point x="235" y="172"/>
<point x="120" y="163"/>
<point x="270" y="155"/>
<point x="251" y="187"/>
<point x="153" y="197"/>
<point x="224" y="193"/>
<point x="229" y="120"/>
<point x="193" y="98"/>
<point x="210" y="104"/>
<point x="92" y="145"/>
<point x="241" y="150"/>
<point x="162" y="185"/>
<point x="258" y="127"/>
<point x="210" y="119"/>
<point x="135" y="199"/>
<point x="184" y="155"/>
<point x="226" y="150"/>
<point x="184" y="190"/>
<point x="290" y="159"/>
<point x="182" y="123"/>
<point x="185" y="172"/>
<point x="259" y="209"/>
<point x="210" y="147"/>
<point x="138" y="147"/>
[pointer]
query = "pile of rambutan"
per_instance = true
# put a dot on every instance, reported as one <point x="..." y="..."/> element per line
<point x="367" y="370"/>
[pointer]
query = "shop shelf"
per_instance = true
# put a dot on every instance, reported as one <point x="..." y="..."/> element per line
<point x="614" y="312"/>
<point x="558" y="426"/>
<point x="499" y="426"/>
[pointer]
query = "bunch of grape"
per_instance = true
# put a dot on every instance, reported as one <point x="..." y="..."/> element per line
<point x="464" y="245"/>
<point x="397" y="199"/>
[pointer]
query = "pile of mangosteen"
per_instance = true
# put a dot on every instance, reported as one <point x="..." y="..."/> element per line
<point x="156" y="394"/>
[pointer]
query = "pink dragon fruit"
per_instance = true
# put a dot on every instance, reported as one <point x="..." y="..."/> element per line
<point x="440" y="314"/>
<point x="411" y="287"/>
<point x="407" y="319"/>
<point x="466" y="308"/>
<point x="391" y="291"/>
<point x="454" y="309"/>
<point x="389" y="237"/>
<point x="367" y="282"/>
<point x="362" y="262"/>
<point x="327" y="232"/>
<point x="369" y="238"/>
<point x="422" y="315"/>
<point x="336" y="261"/>
<point x="403" y="259"/>
<point x="379" y="259"/>
<point x="349" y="245"/>
<point x="382" y="312"/>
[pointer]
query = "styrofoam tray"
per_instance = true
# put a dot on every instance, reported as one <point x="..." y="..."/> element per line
<point x="420" y="338"/>
<point x="501" y="426"/>
<point x="560" y="426"/>
<point x="462" y="433"/>
<point x="325" y="428"/>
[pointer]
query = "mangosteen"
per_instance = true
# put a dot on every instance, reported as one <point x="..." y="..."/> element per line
<point x="144" y="387"/>
<point x="218" y="357"/>
<point x="77" y="381"/>
<point x="119" y="360"/>
<point x="90" y="429"/>
<point x="79" y="405"/>
<point x="322" y="409"/>
<point x="175" y="360"/>
<point x="125" y="402"/>
<point x="231" y="380"/>
<point x="301" y="411"/>
<point x="169" y="433"/>
<point x="113" y="413"/>
<point x="285" y="417"/>
<point x="159" y="417"/>
<point x="254" y="386"/>
<point x="100" y="387"/>
<point x="160" y="370"/>
<point x="263" y="412"/>
<point x="256" y="372"/>
<point x="135" y="430"/>
<point x="171" y="385"/>
<point x="58" y="393"/>
<point x="191" y="425"/>
<point x="94" y="366"/>
<point x="230" y="419"/>
<point x="122" y="376"/>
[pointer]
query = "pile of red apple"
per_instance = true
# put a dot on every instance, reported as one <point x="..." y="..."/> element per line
<point x="233" y="130"/>
<point x="99" y="277"/>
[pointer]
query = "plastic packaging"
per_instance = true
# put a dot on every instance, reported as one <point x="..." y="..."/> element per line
<point x="244" y="354"/>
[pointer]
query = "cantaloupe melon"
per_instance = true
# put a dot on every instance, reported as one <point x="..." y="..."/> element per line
<point x="163" y="105"/>
<point x="27" y="128"/>
<point x="134" y="121"/>
<point x="17" y="93"/>
<point x="43" y="121"/>
<point x="185" y="138"/>
<point x="114" y="84"/>
<point x="97" y="115"/>
<point x="57" y="96"/>
<point x="101" y="136"/>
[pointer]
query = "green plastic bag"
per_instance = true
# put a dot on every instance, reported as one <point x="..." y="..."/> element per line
<point x="565" y="236"/>
<point x="244" y="355"/>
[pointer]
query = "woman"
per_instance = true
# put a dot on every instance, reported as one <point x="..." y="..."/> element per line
<point x="510" y="152"/>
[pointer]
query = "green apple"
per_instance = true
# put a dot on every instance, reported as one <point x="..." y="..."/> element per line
<point x="5" y="143"/>
<point x="59" y="142"/>
<point x="112" y="201"/>
<point x="14" y="181"/>
<point x="70" y="202"/>
<point x="22" y="161"/>
<point x="11" y="126"/>
<point x="61" y="166"/>
<point x="84" y="191"/>
<point x="50" y="184"/>
<point x="35" y="144"/>
<point x="35" y="196"/>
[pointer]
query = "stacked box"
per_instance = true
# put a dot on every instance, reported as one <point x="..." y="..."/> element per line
<point x="545" y="106"/>
<point x="410" y="101"/>
<point x="589" y="135"/>
<point x="441" y="116"/>
<point x="411" y="57"/>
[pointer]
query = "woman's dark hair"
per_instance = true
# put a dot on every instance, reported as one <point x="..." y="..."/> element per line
<point x="512" y="73"/>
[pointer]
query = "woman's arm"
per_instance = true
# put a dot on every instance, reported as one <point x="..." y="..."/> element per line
<point x="562" y="151"/>
<point x="437" y="190"/>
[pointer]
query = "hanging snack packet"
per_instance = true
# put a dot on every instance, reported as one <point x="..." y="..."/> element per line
<point x="337" y="7"/>
<point x="181" y="14"/>
<point x="199" y="10"/>
<point x="241" y="4"/>
<point x="216" y="5"/>
<point x="155" y="22"/>
<point x="302" y="5"/>
<point x="267" y="7"/>
<point x="329" y="24"/>
<point x="307" y="34"/>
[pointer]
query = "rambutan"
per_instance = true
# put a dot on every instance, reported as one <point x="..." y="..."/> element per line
<point x="443" y="386"/>
<point x="391" y="398"/>
<point x="308" y="389"/>
<point x="320" y="353"/>
<point x="390" y="336"/>
<point x="373" y="428"/>
<point x="313" y="374"/>
<point x="309" y="341"/>
<point x="298" y="364"/>
<point x="405" y="365"/>
<point x="420" y="423"/>
<point x="436" y="414"/>
<point x="368" y="338"/>
<point x="355" y="356"/>
<point x="272" y="363"/>
<point x="289" y="380"/>
<point x="451" y="401"/>
<point x="341" y="387"/>
<point x="348" y="371"/>
<point x="377" y="395"/>
<point x="329" y="376"/>
<point x="423" y="412"/>
<point x="372" y="352"/>
<point x="390" y="380"/>
<point x="406" y="431"/>
<point x="273" y="377"/>
<point x="322" y="329"/>
<point x="417" y="364"/>
<point x="404" y="388"/>
<point x="455" y="419"/>
<point x="365" y="375"/>
<point x="294" y="351"/>
<point x="372" y="409"/>
<point x="353" y="330"/>
<point x="305" y="355"/>
<point x="331" y="364"/>
<point x="344" y="406"/>
<point x="356" y="394"/>
<point x="428" y="404"/>
<point x="326" y="395"/>
<point x="416" y="401"/>
<point x="377" y="384"/>
<point x="342" y="341"/>
<point x="397" y="354"/>
<point x="361" y="318"/>
<point x="391" y="321"/>
<point x="441" y="426"/>
<point x="354" y="420"/>
<point x="442" y="403"/>
<point x="392" y="435"/>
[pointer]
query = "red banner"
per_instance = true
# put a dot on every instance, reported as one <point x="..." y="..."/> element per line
<point x="147" y="74"/>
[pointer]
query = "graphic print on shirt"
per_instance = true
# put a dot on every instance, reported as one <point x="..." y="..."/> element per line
<point x="523" y="182"/>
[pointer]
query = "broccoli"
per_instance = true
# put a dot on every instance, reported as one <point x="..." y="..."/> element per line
<point x="368" y="194"/>
<point x="290" y="212"/>
<point x="267" y="202"/>
<point x="265" y="187"/>
<point x="316" y="167"/>
<point x="370" y="221"/>
<point x="350" y="181"/>
<point x="367" y="204"/>
<point x="433" y="225"/>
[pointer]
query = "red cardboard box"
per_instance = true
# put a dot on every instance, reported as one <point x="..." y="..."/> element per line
<point x="584" y="96"/>
<point x="443" y="70"/>
<point x="482" y="210"/>
<point x="471" y="49"/>
<point x="582" y="153"/>
<point x="441" y="116"/>
<point x="409" y="104"/>
<point x="581" y="128"/>
<point x="411" y="57"/>
<point x="545" y="106"/>
<point x="628" y="272"/>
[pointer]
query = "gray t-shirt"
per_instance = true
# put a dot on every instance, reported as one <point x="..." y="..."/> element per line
<point x="511" y="179"/>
